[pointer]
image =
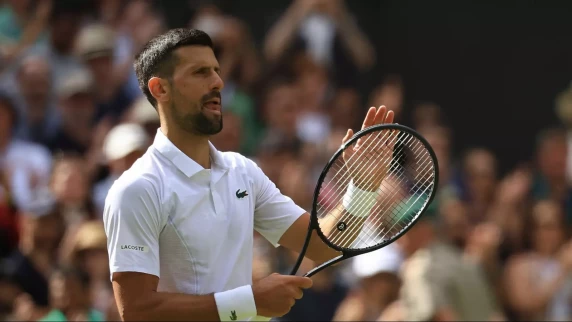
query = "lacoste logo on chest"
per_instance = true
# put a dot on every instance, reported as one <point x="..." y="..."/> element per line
<point x="240" y="194"/>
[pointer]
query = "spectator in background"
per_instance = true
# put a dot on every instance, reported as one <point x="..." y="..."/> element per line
<point x="509" y="209"/>
<point x="344" y="109"/>
<point x="477" y="182"/>
<point x="123" y="145"/>
<point x="8" y="217"/>
<point x="231" y="135"/>
<point x="21" y="26"/>
<point x="295" y="182"/>
<point x="313" y="122"/>
<point x="550" y="180"/>
<point x="563" y="109"/>
<point x="89" y="254"/>
<point x="70" y="186"/>
<point x="39" y="118"/>
<point x="538" y="283"/>
<point x="64" y="24"/>
<point x="95" y="48"/>
<point x="69" y="297"/>
<point x="438" y="284"/>
<point x="30" y="266"/>
<point x="439" y="137"/>
<point x="28" y="164"/>
<point x="77" y="107"/>
<point x="389" y="93"/>
<point x="274" y="152"/>
<point x="377" y="285"/>
<point x="280" y="109"/>
<point x="8" y="293"/>
<point x="142" y="112"/>
<point x="427" y="115"/>
<point x="325" y="32"/>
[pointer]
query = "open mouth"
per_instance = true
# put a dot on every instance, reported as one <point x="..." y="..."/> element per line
<point x="213" y="104"/>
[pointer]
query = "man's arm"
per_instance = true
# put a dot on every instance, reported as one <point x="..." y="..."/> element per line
<point x="318" y="250"/>
<point x="138" y="300"/>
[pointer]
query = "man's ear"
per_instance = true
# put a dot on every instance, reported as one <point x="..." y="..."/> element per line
<point x="160" y="89"/>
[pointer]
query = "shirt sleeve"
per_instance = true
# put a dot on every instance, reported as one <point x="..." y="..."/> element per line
<point x="274" y="212"/>
<point x="133" y="224"/>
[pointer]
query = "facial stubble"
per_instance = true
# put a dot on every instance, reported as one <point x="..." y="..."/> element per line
<point x="197" y="123"/>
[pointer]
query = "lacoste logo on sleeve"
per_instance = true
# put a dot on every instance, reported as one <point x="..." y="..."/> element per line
<point x="233" y="315"/>
<point x="143" y="249"/>
<point x="241" y="195"/>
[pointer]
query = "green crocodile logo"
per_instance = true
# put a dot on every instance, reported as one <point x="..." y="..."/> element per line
<point x="233" y="315"/>
<point x="241" y="195"/>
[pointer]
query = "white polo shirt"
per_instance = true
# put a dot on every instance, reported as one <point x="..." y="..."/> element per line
<point x="193" y="227"/>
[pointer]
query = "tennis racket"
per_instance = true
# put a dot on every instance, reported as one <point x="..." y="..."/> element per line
<point x="397" y="168"/>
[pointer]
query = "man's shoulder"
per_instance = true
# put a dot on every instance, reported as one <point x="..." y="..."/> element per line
<point x="144" y="177"/>
<point x="235" y="160"/>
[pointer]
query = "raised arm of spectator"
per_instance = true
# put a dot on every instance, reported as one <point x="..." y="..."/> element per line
<point x="284" y="30"/>
<point x="523" y="296"/>
<point x="354" y="40"/>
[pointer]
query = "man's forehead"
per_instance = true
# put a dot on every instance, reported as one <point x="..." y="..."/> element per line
<point x="196" y="55"/>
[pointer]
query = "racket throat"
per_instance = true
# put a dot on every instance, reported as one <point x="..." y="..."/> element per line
<point x="327" y="264"/>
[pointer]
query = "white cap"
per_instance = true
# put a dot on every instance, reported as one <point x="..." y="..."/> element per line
<point x="124" y="139"/>
<point x="384" y="260"/>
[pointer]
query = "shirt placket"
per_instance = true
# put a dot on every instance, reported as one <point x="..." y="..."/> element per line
<point x="219" y="207"/>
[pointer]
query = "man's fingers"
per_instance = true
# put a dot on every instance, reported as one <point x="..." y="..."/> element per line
<point x="302" y="282"/>
<point x="369" y="118"/>
<point x="389" y="117"/>
<point x="380" y="115"/>
<point x="348" y="136"/>
<point x="298" y="294"/>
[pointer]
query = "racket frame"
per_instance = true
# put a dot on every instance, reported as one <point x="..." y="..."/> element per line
<point x="315" y="225"/>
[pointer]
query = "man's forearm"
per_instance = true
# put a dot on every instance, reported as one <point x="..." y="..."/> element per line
<point x="341" y="227"/>
<point x="158" y="306"/>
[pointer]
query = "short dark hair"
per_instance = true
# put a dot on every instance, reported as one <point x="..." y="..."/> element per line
<point x="157" y="59"/>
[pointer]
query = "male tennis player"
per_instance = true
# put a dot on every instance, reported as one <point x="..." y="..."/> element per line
<point x="180" y="222"/>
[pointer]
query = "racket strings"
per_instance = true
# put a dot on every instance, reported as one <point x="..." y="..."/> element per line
<point x="407" y="211"/>
<point x="375" y="219"/>
<point x="385" y="223"/>
<point x="388" y="212"/>
<point x="378" y="220"/>
<point x="346" y="175"/>
<point x="344" y="182"/>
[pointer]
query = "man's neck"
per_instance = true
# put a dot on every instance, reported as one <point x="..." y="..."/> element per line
<point x="194" y="146"/>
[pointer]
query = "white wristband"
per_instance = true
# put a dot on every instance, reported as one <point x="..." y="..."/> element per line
<point x="359" y="202"/>
<point x="236" y="304"/>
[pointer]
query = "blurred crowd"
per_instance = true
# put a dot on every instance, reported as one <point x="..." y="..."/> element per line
<point x="72" y="119"/>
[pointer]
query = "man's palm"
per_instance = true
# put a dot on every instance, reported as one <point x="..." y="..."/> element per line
<point x="375" y="147"/>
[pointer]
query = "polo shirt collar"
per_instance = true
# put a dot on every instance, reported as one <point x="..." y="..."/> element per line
<point x="187" y="165"/>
